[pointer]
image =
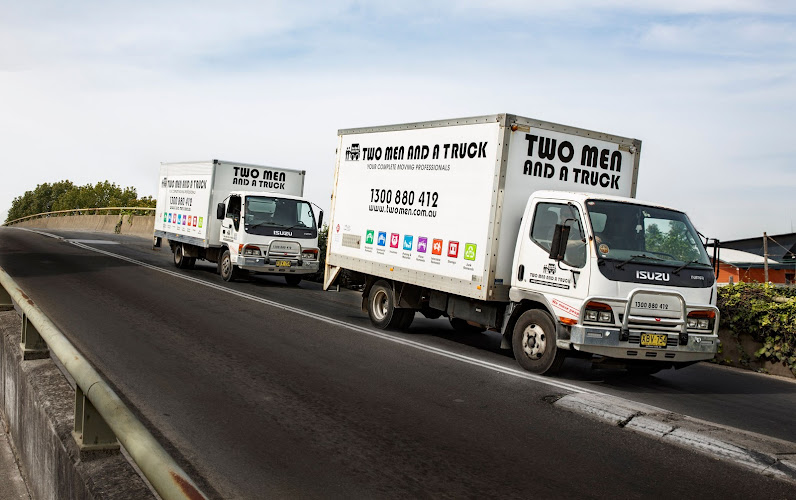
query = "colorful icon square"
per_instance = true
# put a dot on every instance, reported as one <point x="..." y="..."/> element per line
<point x="436" y="247"/>
<point x="382" y="239"/>
<point x="169" y="218"/>
<point x="201" y="221"/>
<point x="369" y="237"/>
<point x="394" y="240"/>
<point x="422" y="244"/>
<point x="469" y="251"/>
<point x="453" y="249"/>
<point x="179" y="219"/>
<point x="408" y="242"/>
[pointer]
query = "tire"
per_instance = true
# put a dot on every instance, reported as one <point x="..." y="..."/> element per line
<point x="293" y="279"/>
<point x="461" y="326"/>
<point x="534" y="343"/>
<point x="180" y="260"/>
<point x="381" y="307"/>
<point x="227" y="270"/>
<point x="406" y="320"/>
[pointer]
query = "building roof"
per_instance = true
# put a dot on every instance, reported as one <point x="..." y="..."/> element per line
<point x="781" y="247"/>
<point x="738" y="257"/>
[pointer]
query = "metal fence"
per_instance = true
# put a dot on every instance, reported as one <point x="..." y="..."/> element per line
<point x="87" y="211"/>
<point x="102" y="421"/>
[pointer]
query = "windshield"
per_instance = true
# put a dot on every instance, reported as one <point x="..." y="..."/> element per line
<point x="273" y="216"/>
<point x="624" y="231"/>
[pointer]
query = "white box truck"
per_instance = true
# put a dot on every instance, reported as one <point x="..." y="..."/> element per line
<point x="524" y="227"/>
<point x="245" y="218"/>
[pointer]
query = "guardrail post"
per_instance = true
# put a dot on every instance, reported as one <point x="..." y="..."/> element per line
<point x="32" y="345"/>
<point x="6" y="304"/>
<point x="91" y="432"/>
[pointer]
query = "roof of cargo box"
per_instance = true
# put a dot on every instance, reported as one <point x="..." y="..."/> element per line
<point x="272" y="194"/>
<point x="503" y="119"/>
<point x="216" y="162"/>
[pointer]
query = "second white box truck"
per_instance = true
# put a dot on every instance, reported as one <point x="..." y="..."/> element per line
<point x="245" y="218"/>
<point x="524" y="227"/>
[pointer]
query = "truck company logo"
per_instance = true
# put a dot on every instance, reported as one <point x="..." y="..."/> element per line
<point x="422" y="243"/>
<point x="394" y="238"/>
<point x="652" y="276"/>
<point x="382" y="239"/>
<point x="469" y="251"/>
<point x="352" y="152"/>
<point x="369" y="237"/>
<point x="453" y="249"/>
<point x="282" y="233"/>
<point x="436" y="247"/>
<point x="549" y="269"/>
<point x="408" y="242"/>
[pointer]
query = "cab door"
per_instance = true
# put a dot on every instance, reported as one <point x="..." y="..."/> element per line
<point x="230" y="226"/>
<point x="563" y="284"/>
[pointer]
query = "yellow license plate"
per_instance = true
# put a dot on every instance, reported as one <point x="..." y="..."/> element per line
<point x="283" y="263"/>
<point x="653" y="340"/>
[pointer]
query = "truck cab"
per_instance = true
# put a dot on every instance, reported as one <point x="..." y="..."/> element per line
<point x="268" y="233"/>
<point x="621" y="279"/>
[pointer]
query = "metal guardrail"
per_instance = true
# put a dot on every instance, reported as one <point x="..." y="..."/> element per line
<point x="82" y="211"/>
<point x="100" y="415"/>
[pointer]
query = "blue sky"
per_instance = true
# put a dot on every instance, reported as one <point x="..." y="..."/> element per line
<point x="91" y="91"/>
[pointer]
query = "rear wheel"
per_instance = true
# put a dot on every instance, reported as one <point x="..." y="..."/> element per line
<point x="293" y="279"/>
<point x="227" y="270"/>
<point x="381" y="307"/>
<point x="180" y="260"/>
<point x="534" y="343"/>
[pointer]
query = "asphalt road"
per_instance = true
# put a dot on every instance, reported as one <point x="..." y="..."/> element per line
<point x="257" y="400"/>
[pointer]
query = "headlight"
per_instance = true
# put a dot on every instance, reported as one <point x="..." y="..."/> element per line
<point x="250" y="250"/>
<point x="599" y="313"/>
<point x="701" y="320"/>
<point x="310" y="253"/>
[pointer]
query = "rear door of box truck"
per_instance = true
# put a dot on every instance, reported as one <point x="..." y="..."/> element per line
<point x="184" y="202"/>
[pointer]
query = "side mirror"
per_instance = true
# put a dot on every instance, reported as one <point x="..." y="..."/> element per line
<point x="558" y="247"/>
<point x="320" y="220"/>
<point x="220" y="211"/>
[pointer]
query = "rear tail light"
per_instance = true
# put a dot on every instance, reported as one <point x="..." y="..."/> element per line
<point x="701" y="320"/>
<point x="599" y="313"/>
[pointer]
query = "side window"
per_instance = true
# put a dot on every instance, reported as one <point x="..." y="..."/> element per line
<point x="546" y="217"/>
<point x="233" y="211"/>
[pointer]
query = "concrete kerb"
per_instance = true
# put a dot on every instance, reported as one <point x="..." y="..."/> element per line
<point x="769" y="456"/>
<point x="138" y="225"/>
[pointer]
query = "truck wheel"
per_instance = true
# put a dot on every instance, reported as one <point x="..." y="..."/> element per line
<point x="180" y="260"/>
<point x="293" y="279"/>
<point x="406" y="320"/>
<point x="381" y="307"/>
<point x="461" y="326"/>
<point x="534" y="343"/>
<point x="228" y="270"/>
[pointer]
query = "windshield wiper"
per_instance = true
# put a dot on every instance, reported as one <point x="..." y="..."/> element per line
<point x="696" y="261"/>
<point x="634" y="257"/>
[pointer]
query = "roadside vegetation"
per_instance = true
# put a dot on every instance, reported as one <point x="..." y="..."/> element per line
<point x="766" y="313"/>
<point x="64" y="195"/>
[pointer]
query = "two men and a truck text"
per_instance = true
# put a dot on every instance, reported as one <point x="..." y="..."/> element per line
<point x="502" y="223"/>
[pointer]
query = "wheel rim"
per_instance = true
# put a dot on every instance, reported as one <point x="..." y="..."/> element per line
<point x="534" y="341"/>
<point x="178" y="254"/>
<point x="225" y="265"/>
<point x="380" y="305"/>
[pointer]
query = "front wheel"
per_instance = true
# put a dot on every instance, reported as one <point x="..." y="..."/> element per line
<point x="293" y="279"/>
<point x="534" y="343"/>
<point x="227" y="270"/>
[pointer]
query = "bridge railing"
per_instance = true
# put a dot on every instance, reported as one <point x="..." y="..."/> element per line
<point x="102" y="420"/>
<point x="87" y="211"/>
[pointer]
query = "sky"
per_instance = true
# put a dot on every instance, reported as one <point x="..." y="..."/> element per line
<point x="107" y="90"/>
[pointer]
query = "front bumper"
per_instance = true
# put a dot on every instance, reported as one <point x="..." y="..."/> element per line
<point x="268" y="266"/>
<point x="605" y="341"/>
